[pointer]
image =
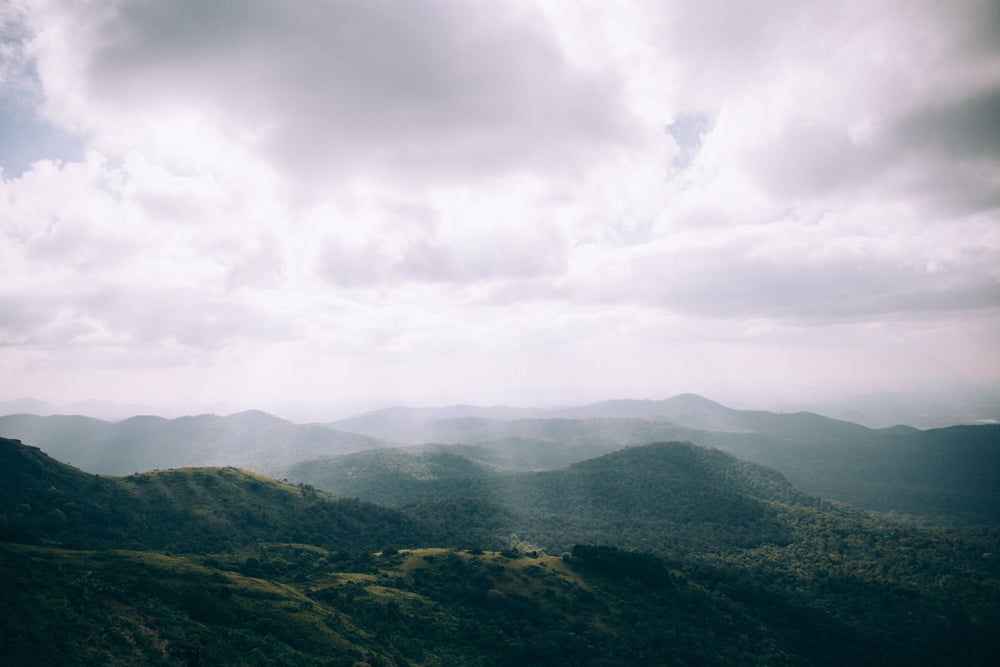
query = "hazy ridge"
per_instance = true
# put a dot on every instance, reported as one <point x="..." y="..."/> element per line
<point x="937" y="475"/>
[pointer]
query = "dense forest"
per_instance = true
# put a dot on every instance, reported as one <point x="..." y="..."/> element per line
<point x="666" y="554"/>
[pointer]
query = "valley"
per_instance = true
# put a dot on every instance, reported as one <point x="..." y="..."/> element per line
<point x="941" y="476"/>
<point x="578" y="538"/>
<point x="666" y="554"/>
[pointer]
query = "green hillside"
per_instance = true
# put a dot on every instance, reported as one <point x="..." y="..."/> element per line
<point x="599" y="606"/>
<point x="939" y="476"/>
<point x="185" y="510"/>
<point x="678" y="497"/>
<point x="696" y="558"/>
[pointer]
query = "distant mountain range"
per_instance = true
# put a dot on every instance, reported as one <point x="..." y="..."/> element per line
<point x="944" y="476"/>
<point x="874" y="410"/>
<point x="106" y="410"/>
<point x="421" y="425"/>
<point x="253" y="440"/>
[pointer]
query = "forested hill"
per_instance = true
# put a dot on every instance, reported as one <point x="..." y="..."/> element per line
<point x="666" y="497"/>
<point x="934" y="477"/>
<point x="938" y="476"/>
<point x="229" y="567"/>
<point x="43" y="501"/>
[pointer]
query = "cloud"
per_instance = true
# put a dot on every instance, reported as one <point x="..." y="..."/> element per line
<point x="805" y="272"/>
<point x="465" y="190"/>
<point x="469" y="257"/>
<point x="133" y="319"/>
<point x="337" y="90"/>
<point x="832" y="101"/>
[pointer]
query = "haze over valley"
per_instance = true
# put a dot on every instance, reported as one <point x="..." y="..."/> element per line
<point x="526" y="536"/>
<point x="944" y="475"/>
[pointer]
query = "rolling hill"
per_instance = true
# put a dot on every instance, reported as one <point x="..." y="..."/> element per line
<point x="45" y="502"/>
<point x="676" y="495"/>
<point x="228" y="567"/>
<point x="934" y="476"/>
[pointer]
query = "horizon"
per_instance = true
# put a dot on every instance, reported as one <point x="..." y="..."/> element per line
<point x="882" y="412"/>
<point x="343" y="206"/>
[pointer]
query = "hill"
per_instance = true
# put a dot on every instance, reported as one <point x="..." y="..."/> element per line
<point x="931" y="477"/>
<point x="46" y="502"/>
<point x="769" y="576"/>
<point x="678" y="497"/>
<point x="600" y="607"/>
<point x="940" y="476"/>
<point x="253" y="440"/>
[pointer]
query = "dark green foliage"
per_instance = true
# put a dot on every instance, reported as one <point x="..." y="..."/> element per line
<point x="187" y="510"/>
<point x="939" y="476"/>
<point x="439" y="607"/>
<point x="122" y="608"/>
<point x="695" y="558"/>
<point x="661" y="497"/>
<point x="391" y="476"/>
<point x="609" y="561"/>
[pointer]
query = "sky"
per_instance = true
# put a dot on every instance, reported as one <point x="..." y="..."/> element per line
<point x="315" y="207"/>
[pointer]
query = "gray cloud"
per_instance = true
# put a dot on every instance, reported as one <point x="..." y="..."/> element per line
<point x="422" y="88"/>
<point x="818" y="291"/>
<point x="809" y="161"/>
<point x="957" y="145"/>
<point x="965" y="128"/>
<point x="946" y="152"/>
<point x="20" y="318"/>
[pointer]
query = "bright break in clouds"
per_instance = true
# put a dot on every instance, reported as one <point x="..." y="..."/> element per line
<point x="360" y="203"/>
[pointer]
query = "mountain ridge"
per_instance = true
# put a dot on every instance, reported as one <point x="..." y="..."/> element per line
<point x="692" y="557"/>
<point x="250" y="439"/>
<point x="899" y="469"/>
<point x="192" y="509"/>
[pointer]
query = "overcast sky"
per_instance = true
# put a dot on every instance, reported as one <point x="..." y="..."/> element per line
<point x="339" y="205"/>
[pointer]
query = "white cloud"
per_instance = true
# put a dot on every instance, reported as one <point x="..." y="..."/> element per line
<point x="578" y="196"/>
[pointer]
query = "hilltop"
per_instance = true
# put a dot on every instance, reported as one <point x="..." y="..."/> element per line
<point x="677" y="496"/>
<point x="46" y="502"/>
